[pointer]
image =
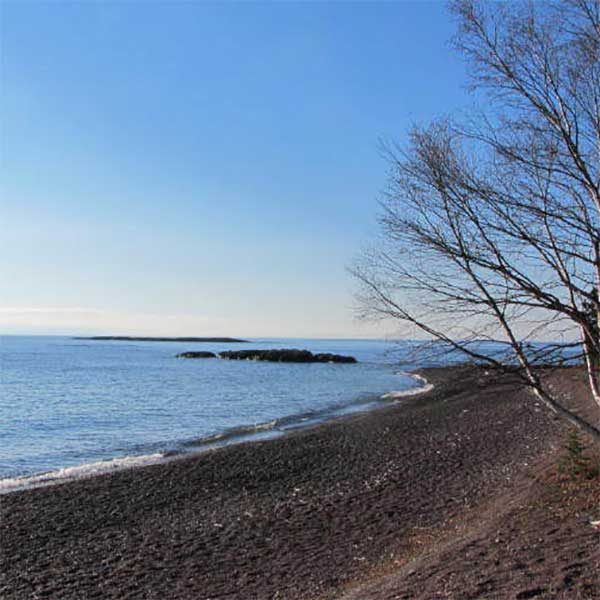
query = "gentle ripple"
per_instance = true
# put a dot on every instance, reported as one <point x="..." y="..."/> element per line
<point x="67" y="402"/>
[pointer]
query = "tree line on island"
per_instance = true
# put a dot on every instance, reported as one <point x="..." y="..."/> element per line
<point x="128" y="338"/>
<point x="279" y="355"/>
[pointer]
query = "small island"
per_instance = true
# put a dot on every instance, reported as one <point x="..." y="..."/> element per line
<point x="286" y="355"/>
<point x="126" y="338"/>
<point x="200" y="354"/>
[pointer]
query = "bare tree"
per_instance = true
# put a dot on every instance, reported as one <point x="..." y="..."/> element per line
<point x="491" y="225"/>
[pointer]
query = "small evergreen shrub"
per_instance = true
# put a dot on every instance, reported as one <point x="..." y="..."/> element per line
<point x="575" y="462"/>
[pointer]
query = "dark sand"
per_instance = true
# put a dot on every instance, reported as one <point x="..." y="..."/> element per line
<point x="447" y="495"/>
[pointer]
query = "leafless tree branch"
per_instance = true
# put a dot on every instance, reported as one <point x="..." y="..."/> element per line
<point x="491" y="227"/>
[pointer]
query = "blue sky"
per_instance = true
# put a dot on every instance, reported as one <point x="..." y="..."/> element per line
<point x="204" y="168"/>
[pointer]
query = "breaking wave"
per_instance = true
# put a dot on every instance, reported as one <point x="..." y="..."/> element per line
<point x="422" y="389"/>
<point x="14" y="484"/>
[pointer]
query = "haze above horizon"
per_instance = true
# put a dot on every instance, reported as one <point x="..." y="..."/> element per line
<point x="201" y="168"/>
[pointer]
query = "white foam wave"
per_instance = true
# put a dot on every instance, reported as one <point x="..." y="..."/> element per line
<point x="234" y="433"/>
<point x="265" y="426"/>
<point x="15" y="484"/>
<point x="426" y="387"/>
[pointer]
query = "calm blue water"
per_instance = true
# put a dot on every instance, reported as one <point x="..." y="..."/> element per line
<point x="67" y="402"/>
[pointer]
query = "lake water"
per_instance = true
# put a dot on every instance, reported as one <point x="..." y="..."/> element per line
<point x="82" y="406"/>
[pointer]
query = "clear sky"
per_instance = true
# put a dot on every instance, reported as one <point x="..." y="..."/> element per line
<point x="191" y="168"/>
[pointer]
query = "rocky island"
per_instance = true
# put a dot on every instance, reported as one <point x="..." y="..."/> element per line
<point x="200" y="354"/>
<point x="286" y="355"/>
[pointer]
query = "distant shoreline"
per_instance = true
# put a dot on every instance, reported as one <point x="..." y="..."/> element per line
<point x="126" y="338"/>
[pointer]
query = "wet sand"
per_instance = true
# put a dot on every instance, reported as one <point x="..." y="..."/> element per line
<point x="344" y="509"/>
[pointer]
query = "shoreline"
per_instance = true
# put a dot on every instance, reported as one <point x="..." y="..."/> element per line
<point x="242" y="434"/>
<point x="425" y="387"/>
<point x="320" y="512"/>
